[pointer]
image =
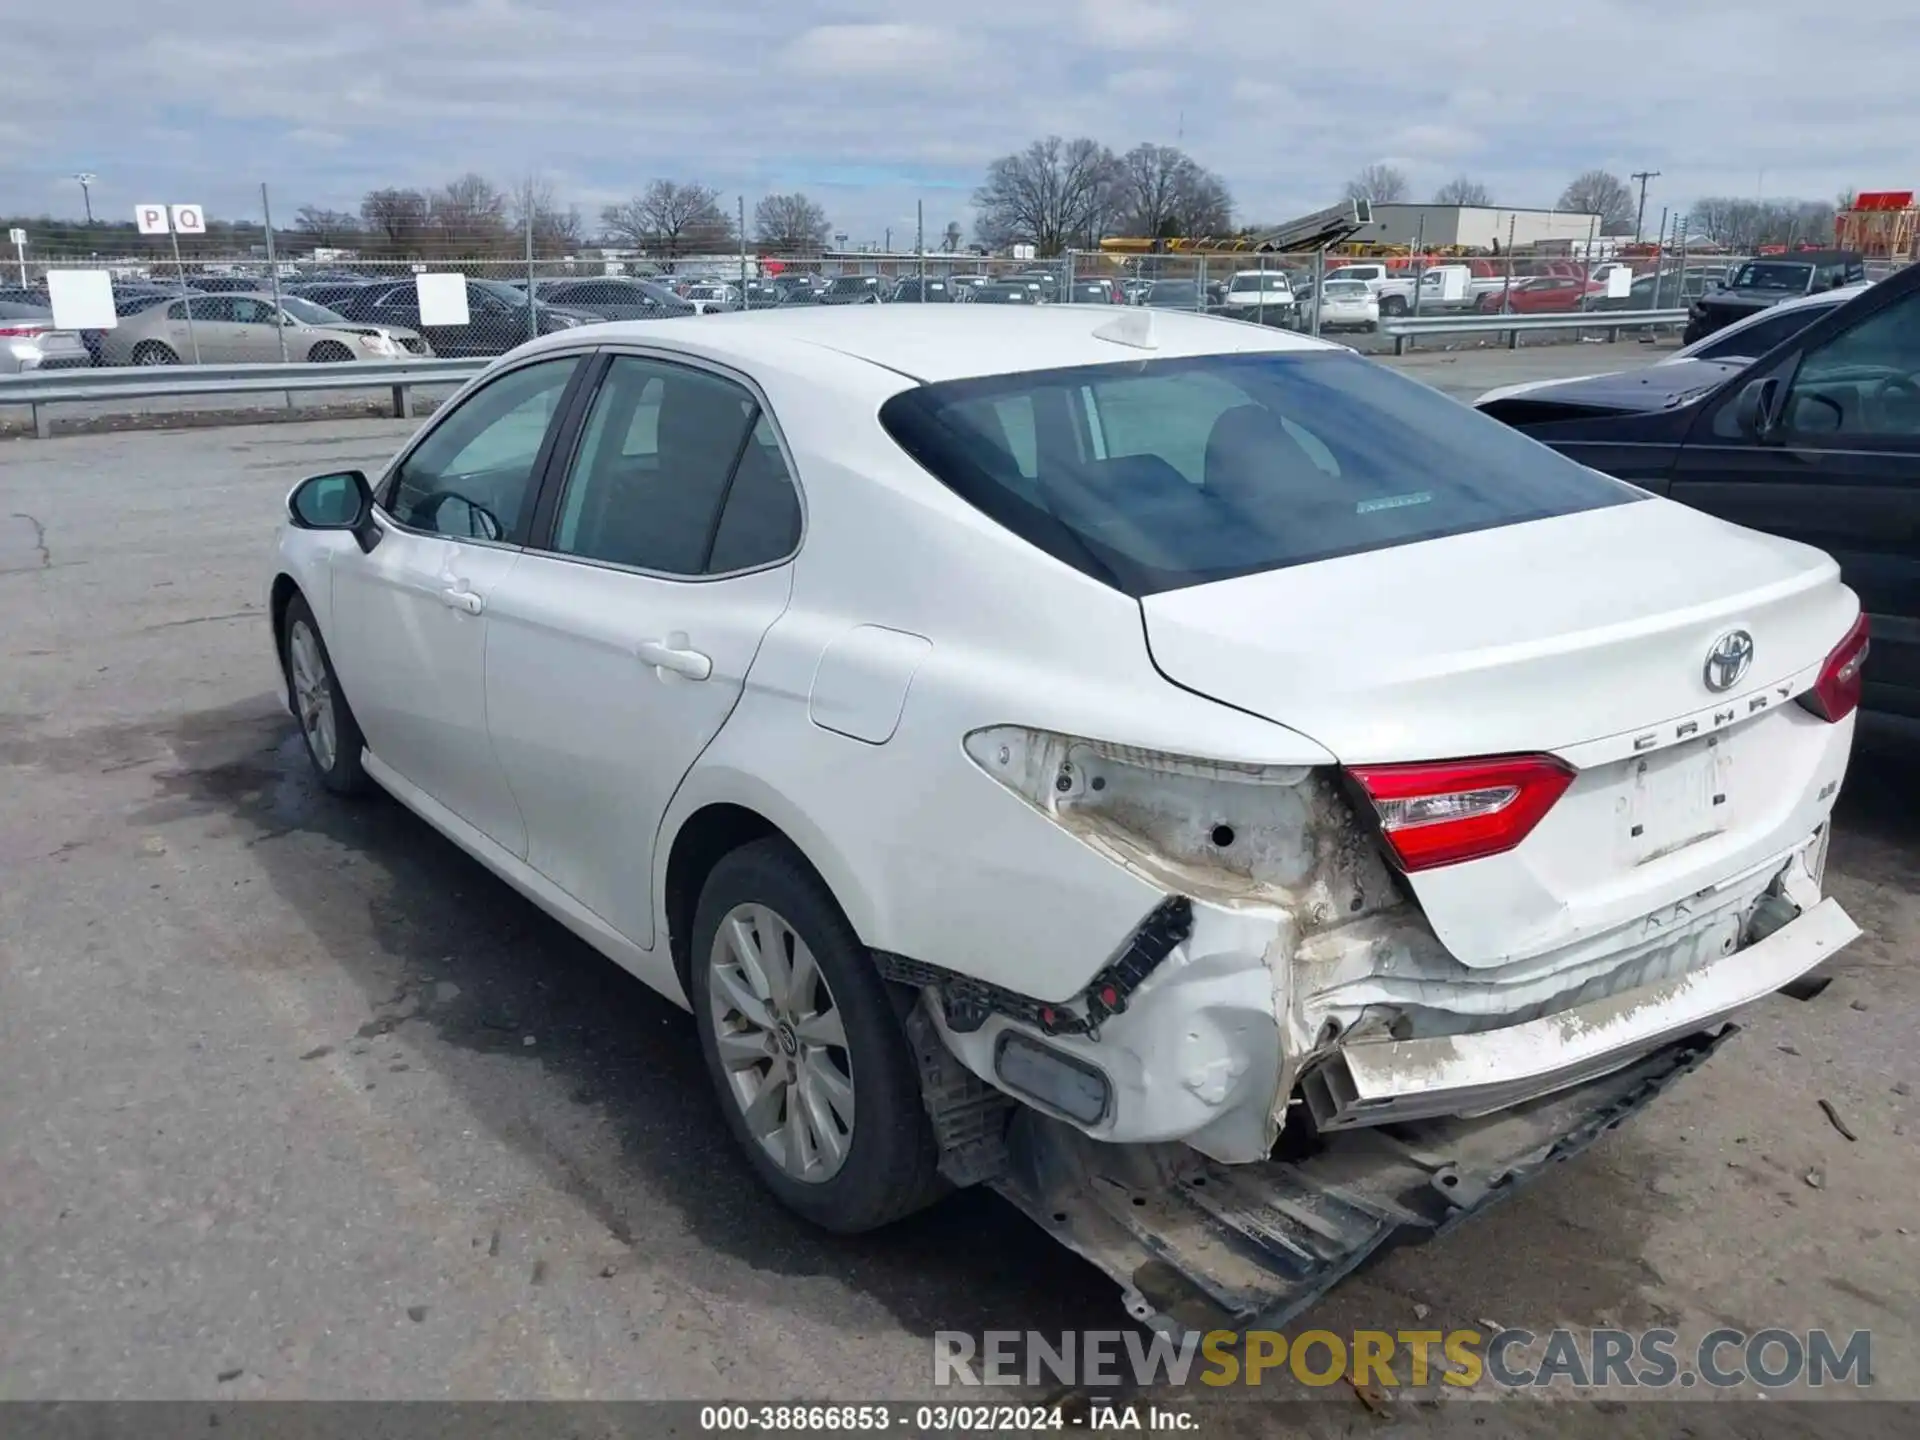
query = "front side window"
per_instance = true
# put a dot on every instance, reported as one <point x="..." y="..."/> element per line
<point x="249" y="311"/>
<point x="470" y="477"/>
<point x="1863" y="382"/>
<point x="1169" y="473"/>
<point x="655" y="462"/>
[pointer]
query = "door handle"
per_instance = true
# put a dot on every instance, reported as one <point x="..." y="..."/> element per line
<point x="671" y="654"/>
<point x="458" y="597"/>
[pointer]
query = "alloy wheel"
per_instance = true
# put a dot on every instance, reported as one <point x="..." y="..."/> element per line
<point x="781" y="1043"/>
<point x="312" y="693"/>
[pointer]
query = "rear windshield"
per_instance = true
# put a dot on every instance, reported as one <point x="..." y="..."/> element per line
<point x="1156" y="475"/>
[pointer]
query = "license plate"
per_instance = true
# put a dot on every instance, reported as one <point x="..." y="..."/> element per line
<point x="1675" y="799"/>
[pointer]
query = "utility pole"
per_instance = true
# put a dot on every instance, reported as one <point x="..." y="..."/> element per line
<point x="86" y="179"/>
<point x="1641" y="214"/>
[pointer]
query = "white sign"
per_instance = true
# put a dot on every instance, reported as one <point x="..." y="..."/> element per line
<point x="152" y="218"/>
<point x="188" y="219"/>
<point x="1619" y="283"/>
<point x="1023" y="252"/>
<point x="17" y="235"/>
<point x="443" y="298"/>
<point x="82" y="299"/>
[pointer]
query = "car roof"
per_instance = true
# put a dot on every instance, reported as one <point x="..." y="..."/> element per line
<point x="944" y="343"/>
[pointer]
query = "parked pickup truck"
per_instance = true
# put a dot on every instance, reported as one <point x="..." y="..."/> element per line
<point x="1441" y="288"/>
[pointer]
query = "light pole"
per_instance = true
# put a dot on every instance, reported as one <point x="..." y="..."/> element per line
<point x="86" y="179"/>
<point x="1640" y="215"/>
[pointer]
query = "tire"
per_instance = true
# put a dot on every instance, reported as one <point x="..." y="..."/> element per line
<point x="152" y="352"/>
<point x="1393" y="306"/>
<point x="327" y="727"/>
<point x="885" y="1166"/>
<point x="329" y="352"/>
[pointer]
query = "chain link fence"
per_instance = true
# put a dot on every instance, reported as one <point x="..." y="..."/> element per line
<point x="340" y="305"/>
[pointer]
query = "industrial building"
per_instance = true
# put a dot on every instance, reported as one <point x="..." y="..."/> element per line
<point x="1475" y="227"/>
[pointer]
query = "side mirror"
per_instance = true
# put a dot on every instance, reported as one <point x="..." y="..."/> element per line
<point x="339" y="501"/>
<point x="1753" y="411"/>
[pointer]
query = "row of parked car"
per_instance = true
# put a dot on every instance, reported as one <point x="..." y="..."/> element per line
<point x="349" y="316"/>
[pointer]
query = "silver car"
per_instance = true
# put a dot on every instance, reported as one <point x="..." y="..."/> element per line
<point x="247" y="329"/>
<point x="28" y="341"/>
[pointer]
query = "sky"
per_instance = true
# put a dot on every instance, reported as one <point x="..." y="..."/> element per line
<point x="873" y="108"/>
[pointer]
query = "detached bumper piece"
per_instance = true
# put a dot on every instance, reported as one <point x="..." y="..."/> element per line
<point x="1197" y="1246"/>
<point x="965" y="1003"/>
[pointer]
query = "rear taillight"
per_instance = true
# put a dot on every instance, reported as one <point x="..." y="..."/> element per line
<point x="23" y="332"/>
<point x="1836" y="694"/>
<point x="1447" y="811"/>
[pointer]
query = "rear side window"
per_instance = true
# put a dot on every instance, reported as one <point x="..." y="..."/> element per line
<point x="1752" y="341"/>
<point x="1163" y="474"/>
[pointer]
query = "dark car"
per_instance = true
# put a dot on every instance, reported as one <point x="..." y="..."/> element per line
<point x="230" y="284"/>
<point x="1769" y="279"/>
<point x="855" y="290"/>
<point x="915" y="291"/>
<point x="497" y="318"/>
<point x="1093" y="292"/>
<point x="1817" y="440"/>
<point x="1175" y="295"/>
<point x="1005" y="292"/>
<point x="611" y="297"/>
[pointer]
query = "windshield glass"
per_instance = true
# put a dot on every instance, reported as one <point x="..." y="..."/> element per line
<point x="1255" y="282"/>
<point x="1176" y="290"/>
<point x="848" y="284"/>
<point x="1772" y="275"/>
<point x="1163" y="474"/>
<point x="308" y="313"/>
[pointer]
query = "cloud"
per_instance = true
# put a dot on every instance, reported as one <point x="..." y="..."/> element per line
<point x="904" y="54"/>
<point x="882" y="103"/>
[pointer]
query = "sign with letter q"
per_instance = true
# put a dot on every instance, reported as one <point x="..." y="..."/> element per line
<point x="188" y="219"/>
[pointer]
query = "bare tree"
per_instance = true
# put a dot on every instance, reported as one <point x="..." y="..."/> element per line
<point x="670" y="217"/>
<point x="1053" y="194"/>
<point x="791" y="224"/>
<point x="556" y="231"/>
<point x="950" y="241"/>
<point x="1379" y="183"/>
<point x="1149" y="179"/>
<point x="1744" y="224"/>
<point x="327" y="228"/>
<point x="1463" y="190"/>
<point x="469" y="216"/>
<point x="1597" y="192"/>
<point x="1203" y="203"/>
<point x="396" y="220"/>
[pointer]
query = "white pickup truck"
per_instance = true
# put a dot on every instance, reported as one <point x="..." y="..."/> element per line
<point x="1441" y="288"/>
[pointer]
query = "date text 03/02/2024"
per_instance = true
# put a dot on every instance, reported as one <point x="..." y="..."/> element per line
<point x="924" y="1419"/>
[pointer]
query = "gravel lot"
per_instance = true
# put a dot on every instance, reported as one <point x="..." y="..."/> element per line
<point x="299" y="1102"/>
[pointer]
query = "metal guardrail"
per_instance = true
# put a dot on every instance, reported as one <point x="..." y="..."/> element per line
<point x="1409" y="327"/>
<point x="44" y="388"/>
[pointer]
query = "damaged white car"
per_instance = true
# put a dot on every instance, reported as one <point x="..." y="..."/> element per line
<point x="1234" y="800"/>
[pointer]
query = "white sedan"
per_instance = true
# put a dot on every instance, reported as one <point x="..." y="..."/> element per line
<point x="1341" y="305"/>
<point x="1079" y="752"/>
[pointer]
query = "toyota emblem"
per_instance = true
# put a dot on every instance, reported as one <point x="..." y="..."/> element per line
<point x="1729" y="660"/>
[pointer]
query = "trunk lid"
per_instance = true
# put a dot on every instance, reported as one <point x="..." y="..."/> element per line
<point x="1528" y="637"/>
<point x="1585" y="636"/>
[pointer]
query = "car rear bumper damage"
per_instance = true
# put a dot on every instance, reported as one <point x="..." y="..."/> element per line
<point x="1227" y="1018"/>
<point x="1198" y="1246"/>
<point x="1374" y="1082"/>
